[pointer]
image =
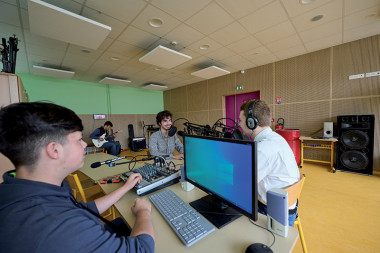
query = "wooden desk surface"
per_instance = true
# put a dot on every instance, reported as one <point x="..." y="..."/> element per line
<point x="313" y="139"/>
<point x="235" y="237"/>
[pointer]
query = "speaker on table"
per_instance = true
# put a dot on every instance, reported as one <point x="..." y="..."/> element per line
<point x="355" y="143"/>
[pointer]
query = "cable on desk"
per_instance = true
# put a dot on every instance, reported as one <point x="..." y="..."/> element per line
<point x="274" y="238"/>
<point x="226" y="214"/>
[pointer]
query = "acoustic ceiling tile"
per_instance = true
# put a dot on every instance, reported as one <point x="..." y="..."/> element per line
<point x="210" y="72"/>
<point x="164" y="57"/>
<point x="57" y="73"/>
<point x="56" y="23"/>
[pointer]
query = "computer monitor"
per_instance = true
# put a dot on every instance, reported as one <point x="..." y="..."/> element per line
<point x="226" y="170"/>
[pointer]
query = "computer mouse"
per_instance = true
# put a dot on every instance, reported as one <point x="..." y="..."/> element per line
<point x="258" y="248"/>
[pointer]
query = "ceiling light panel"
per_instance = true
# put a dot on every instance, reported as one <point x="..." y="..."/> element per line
<point x="57" y="73"/>
<point x="114" y="81"/>
<point x="210" y="72"/>
<point x="56" y="23"/>
<point x="165" y="57"/>
<point x="152" y="86"/>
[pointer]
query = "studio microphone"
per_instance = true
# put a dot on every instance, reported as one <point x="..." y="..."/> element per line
<point x="98" y="164"/>
<point x="172" y="131"/>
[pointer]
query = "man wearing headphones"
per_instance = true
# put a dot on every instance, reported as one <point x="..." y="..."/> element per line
<point x="276" y="165"/>
<point x="164" y="141"/>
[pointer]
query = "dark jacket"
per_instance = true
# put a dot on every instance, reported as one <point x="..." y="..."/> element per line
<point x="40" y="217"/>
<point x="97" y="133"/>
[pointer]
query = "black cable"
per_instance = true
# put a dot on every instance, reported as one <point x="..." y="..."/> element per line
<point x="274" y="238"/>
<point x="226" y="214"/>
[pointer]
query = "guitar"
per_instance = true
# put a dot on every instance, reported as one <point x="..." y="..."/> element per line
<point x="98" y="143"/>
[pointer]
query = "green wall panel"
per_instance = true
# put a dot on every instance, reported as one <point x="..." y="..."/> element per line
<point x="125" y="100"/>
<point x="90" y="98"/>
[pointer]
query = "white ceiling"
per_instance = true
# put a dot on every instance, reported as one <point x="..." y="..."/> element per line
<point x="241" y="34"/>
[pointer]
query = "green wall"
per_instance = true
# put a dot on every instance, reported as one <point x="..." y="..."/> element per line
<point x="92" y="98"/>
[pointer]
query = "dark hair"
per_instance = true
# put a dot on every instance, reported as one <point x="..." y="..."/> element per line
<point x="108" y="123"/>
<point x="26" y="128"/>
<point x="163" y="115"/>
<point x="261" y="111"/>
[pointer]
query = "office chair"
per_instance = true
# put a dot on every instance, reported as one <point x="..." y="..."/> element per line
<point x="87" y="194"/>
<point x="294" y="192"/>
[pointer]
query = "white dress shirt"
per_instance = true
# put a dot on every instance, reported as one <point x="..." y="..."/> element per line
<point x="276" y="165"/>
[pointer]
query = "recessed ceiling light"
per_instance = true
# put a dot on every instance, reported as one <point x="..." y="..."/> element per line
<point x="115" y="58"/>
<point x="306" y="1"/>
<point x="155" y="22"/>
<point x="316" y="18"/>
<point x="204" y="47"/>
<point x="86" y="51"/>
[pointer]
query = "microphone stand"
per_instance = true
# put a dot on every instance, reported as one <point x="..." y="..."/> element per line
<point x="225" y="128"/>
<point x="144" y="159"/>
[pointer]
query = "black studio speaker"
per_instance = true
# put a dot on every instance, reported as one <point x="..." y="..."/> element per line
<point x="355" y="143"/>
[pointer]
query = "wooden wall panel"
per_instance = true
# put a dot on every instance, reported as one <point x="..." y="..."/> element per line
<point x="167" y="100"/>
<point x="214" y="115"/>
<point x="303" y="78"/>
<point x="179" y="100"/>
<point x="199" y="117"/>
<point x="308" y="117"/>
<point x="219" y="87"/>
<point x="197" y="96"/>
<point x="260" y="79"/>
<point x="353" y="58"/>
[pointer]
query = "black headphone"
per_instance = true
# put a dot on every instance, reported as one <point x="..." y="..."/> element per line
<point x="251" y="121"/>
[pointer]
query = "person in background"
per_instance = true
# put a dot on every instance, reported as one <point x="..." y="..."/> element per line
<point x="276" y="165"/>
<point x="163" y="142"/>
<point x="38" y="211"/>
<point x="106" y="140"/>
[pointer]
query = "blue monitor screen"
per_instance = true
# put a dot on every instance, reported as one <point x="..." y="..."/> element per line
<point x="225" y="168"/>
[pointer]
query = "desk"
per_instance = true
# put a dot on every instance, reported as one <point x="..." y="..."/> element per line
<point x="309" y="142"/>
<point x="235" y="237"/>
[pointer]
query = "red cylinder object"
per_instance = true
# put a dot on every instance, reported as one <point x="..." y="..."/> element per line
<point x="278" y="127"/>
<point x="292" y="136"/>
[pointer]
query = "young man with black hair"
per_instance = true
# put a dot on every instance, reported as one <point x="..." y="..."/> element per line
<point x="163" y="142"/>
<point x="38" y="212"/>
<point x="276" y="165"/>
<point x="109" y="143"/>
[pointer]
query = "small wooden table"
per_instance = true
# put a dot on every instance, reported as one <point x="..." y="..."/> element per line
<point x="314" y="143"/>
<point x="150" y="131"/>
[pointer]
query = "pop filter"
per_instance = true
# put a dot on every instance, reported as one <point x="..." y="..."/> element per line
<point x="227" y="135"/>
<point x="237" y="134"/>
<point x="172" y="131"/>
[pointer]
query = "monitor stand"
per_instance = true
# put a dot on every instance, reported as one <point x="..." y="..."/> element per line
<point x="216" y="212"/>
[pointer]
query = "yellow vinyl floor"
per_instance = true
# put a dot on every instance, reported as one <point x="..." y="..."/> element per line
<point x="340" y="212"/>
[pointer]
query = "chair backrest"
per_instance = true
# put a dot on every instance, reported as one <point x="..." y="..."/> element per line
<point x="294" y="191"/>
<point x="76" y="186"/>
